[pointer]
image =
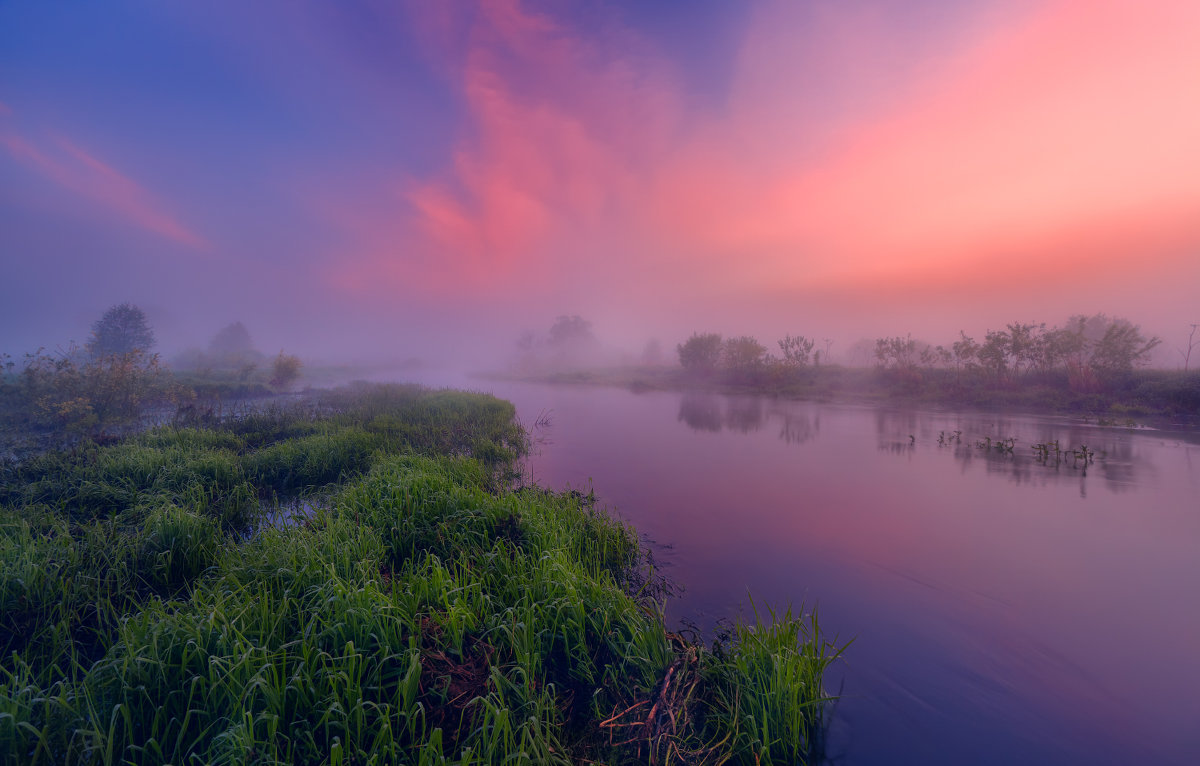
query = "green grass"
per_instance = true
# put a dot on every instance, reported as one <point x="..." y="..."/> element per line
<point x="425" y="612"/>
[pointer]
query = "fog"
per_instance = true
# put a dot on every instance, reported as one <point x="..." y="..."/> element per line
<point x="435" y="182"/>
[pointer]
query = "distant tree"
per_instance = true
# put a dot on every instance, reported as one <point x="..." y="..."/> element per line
<point x="121" y="330"/>
<point x="1057" y="348"/>
<point x="896" y="353"/>
<point x="935" y="356"/>
<point x="965" y="351"/>
<point x="1023" y="346"/>
<point x="700" y="353"/>
<point x="1191" y="344"/>
<point x="285" y="370"/>
<point x="1122" y="348"/>
<point x="571" y="331"/>
<point x="797" y="351"/>
<point x="993" y="354"/>
<point x="230" y="341"/>
<point x="743" y="355"/>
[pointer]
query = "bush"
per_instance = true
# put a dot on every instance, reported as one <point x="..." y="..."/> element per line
<point x="701" y="353"/>
<point x="285" y="370"/>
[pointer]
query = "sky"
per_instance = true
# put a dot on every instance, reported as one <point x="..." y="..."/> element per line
<point x="384" y="179"/>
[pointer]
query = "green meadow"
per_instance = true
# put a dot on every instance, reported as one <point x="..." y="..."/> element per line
<point x="361" y="579"/>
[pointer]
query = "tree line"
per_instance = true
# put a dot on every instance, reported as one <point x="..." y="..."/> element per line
<point x="1086" y="351"/>
<point x="743" y="357"/>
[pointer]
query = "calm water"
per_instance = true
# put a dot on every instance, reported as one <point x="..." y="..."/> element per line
<point x="1003" y="611"/>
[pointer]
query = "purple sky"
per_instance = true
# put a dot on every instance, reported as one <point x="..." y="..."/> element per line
<point x="396" y="179"/>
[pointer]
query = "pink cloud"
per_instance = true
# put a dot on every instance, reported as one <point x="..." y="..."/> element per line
<point x="1024" y="141"/>
<point x="559" y="132"/>
<point x="994" y="152"/>
<point x="73" y="168"/>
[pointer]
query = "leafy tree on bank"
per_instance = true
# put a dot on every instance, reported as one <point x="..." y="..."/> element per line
<point x="285" y="370"/>
<point x="121" y="330"/>
<point x="797" y="351"/>
<point x="1121" y="348"/>
<point x="965" y="352"/>
<point x="701" y="353"/>
<point x="743" y="356"/>
<point x="896" y="353"/>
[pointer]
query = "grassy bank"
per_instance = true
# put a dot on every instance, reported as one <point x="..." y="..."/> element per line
<point x="423" y="610"/>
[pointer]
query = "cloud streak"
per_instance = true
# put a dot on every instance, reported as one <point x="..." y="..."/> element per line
<point x="76" y="170"/>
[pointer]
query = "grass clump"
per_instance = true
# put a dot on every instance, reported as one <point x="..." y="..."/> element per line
<point x="425" y="611"/>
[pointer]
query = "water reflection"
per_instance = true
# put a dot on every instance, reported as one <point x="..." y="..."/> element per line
<point x="797" y="428"/>
<point x="714" y="413"/>
<point x="1027" y="451"/>
<point x="701" y="412"/>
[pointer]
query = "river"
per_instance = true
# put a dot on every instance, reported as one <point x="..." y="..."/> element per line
<point x="1005" y="606"/>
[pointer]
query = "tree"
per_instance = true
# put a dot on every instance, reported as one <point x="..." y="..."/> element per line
<point x="232" y="340"/>
<point x="1187" y="355"/>
<point x="1058" y="348"/>
<point x="121" y="330"/>
<point x="896" y="353"/>
<point x="1023" y="346"/>
<point x="965" y="350"/>
<point x="284" y="370"/>
<point x="993" y="354"/>
<point x="797" y="350"/>
<point x="571" y="331"/>
<point x="700" y="353"/>
<point x="744" y="355"/>
<point x="1122" y="348"/>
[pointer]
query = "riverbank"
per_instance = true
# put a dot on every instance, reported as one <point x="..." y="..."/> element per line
<point x="156" y="606"/>
<point x="1158" y="397"/>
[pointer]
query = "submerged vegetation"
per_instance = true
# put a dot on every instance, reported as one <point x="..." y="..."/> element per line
<point x="423" y="609"/>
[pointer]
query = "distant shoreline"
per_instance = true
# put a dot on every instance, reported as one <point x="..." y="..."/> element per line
<point x="1142" y="397"/>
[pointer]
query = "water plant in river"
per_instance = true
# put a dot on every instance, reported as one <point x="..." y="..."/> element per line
<point x="427" y="611"/>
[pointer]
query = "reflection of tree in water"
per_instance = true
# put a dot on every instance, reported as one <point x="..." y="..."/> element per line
<point x="900" y="424"/>
<point x="706" y="412"/>
<point x="701" y="412"/>
<point x="797" y="427"/>
<point x="743" y="415"/>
